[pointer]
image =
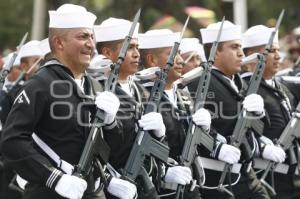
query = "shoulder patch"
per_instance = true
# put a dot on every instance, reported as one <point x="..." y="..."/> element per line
<point x="22" y="98"/>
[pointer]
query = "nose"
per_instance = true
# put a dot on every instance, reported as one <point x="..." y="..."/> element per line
<point x="90" y="42"/>
<point x="136" y="53"/>
<point x="179" y="60"/>
<point x="240" y="52"/>
<point x="277" y="55"/>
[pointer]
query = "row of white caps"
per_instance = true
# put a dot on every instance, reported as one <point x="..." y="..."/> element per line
<point x="254" y="36"/>
<point x="112" y="29"/>
<point x="116" y="29"/>
<point x="67" y="15"/>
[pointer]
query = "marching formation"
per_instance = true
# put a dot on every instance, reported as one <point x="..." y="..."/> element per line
<point x="103" y="111"/>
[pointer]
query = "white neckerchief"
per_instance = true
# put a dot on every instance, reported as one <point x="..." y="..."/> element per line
<point x="80" y="83"/>
<point x="231" y="81"/>
<point x="127" y="86"/>
<point x="171" y="93"/>
<point x="270" y="82"/>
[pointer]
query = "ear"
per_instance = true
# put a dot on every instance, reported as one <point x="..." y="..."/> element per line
<point x="107" y="52"/>
<point x="58" y="42"/>
<point x="151" y="60"/>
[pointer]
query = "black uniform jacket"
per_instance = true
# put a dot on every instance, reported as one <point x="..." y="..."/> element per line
<point x="293" y="87"/>
<point x="6" y="100"/>
<point x="225" y="103"/>
<point x="175" y="120"/>
<point x="50" y="105"/>
<point x="277" y="113"/>
<point x="222" y="101"/>
<point x="278" y="116"/>
<point x="128" y="114"/>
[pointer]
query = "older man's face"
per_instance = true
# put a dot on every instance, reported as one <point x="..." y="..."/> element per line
<point x="78" y="46"/>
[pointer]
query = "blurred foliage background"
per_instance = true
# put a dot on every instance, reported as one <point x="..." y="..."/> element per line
<point x="16" y="16"/>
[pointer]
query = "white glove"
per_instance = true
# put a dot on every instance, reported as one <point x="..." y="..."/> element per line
<point x="229" y="154"/>
<point x="265" y="140"/>
<point x="221" y="138"/>
<point x="109" y="103"/>
<point x="202" y="118"/>
<point x="153" y="121"/>
<point x="178" y="175"/>
<point x="254" y="103"/>
<point x="121" y="188"/>
<point x="71" y="187"/>
<point x="274" y="153"/>
<point x="296" y="114"/>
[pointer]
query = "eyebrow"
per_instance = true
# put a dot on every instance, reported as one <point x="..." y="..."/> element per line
<point x="236" y="45"/>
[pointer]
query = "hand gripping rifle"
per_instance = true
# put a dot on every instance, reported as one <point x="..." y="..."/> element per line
<point x="144" y="144"/>
<point x="4" y="72"/>
<point x="95" y="147"/>
<point x="245" y="120"/>
<point x="195" y="135"/>
<point x="286" y="139"/>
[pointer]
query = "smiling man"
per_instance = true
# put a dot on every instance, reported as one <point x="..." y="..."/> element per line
<point x="48" y="123"/>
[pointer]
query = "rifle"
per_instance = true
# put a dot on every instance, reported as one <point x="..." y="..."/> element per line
<point x="195" y="134"/>
<point x="144" y="144"/>
<point x="245" y="119"/>
<point x="290" y="133"/>
<point x="95" y="144"/>
<point x="4" y="72"/>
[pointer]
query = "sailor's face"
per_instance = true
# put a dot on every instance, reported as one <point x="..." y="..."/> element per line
<point x="78" y="47"/>
<point x="272" y="62"/>
<point x="161" y="61"/>
<point x="229" y="58"/>
<point x="131" y="62"/>
<point x="191" y="63"/>
<point x="30" y="62"/>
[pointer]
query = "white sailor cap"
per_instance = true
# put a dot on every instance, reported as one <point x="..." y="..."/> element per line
<point x="258" y="35"/>
<point x="230" y="32"/>
<point x="44" y="46"/>
<point x="192" y="45"/>
<point x="7" y="58"/>
<point x="113" y="29"/>
<point x="296" y="30"/>
<point x="31" y="48"/>
<point x="158" y="38"/>
<point x="71" y="16"/>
